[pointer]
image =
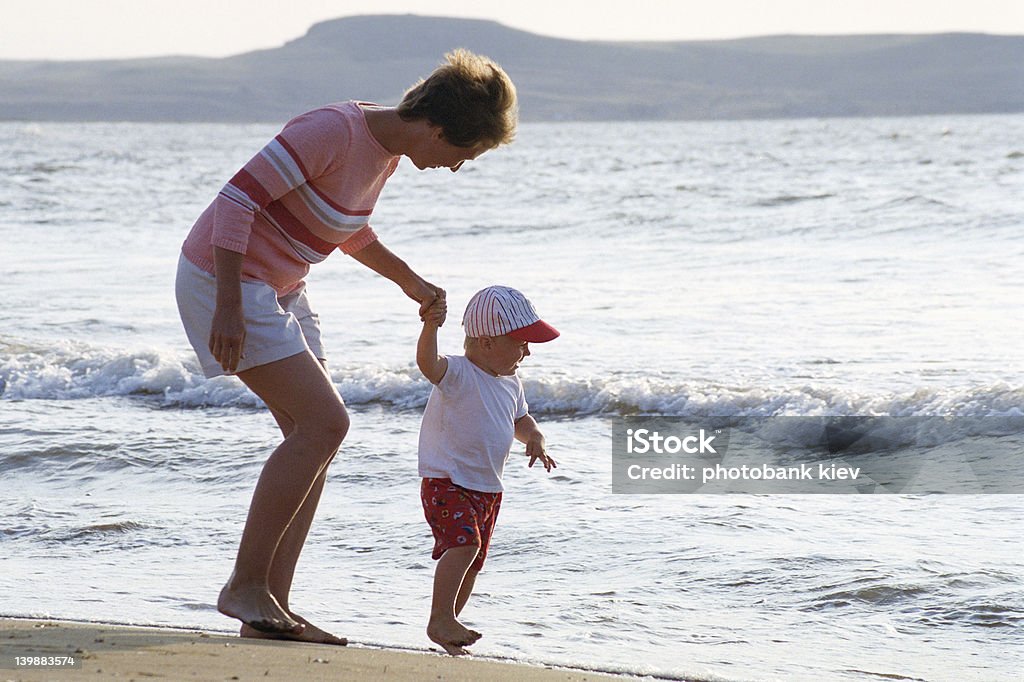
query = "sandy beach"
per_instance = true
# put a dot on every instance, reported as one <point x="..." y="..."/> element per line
<point x="103" y="652"/>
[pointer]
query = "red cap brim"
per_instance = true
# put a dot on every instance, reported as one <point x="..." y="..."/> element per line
<point x="538" y="332"/>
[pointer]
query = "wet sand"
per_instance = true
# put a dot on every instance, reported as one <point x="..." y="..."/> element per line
<point x="102" y="652"/>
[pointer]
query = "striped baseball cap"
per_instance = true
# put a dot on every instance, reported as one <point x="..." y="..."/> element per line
<point x="498" y="310"/>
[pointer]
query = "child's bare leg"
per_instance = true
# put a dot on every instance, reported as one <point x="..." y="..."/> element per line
<point x="299" y="388"/>
<point x="449" y="575"/>
<point x="464" y="592"/>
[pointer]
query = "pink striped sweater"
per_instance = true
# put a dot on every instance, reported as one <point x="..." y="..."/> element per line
<point x="311" y="190"/>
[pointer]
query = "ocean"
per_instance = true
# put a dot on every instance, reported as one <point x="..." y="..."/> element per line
<point x="788" y="270"/>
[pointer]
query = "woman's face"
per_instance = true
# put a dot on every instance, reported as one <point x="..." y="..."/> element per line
<point x="437" y="152"/>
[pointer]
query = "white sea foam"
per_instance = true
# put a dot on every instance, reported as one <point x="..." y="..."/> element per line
<point x="77" y="371"/>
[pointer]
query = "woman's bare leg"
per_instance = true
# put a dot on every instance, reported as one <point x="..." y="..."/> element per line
<point x="298" y="388"/>
<point x="282" y="571"/>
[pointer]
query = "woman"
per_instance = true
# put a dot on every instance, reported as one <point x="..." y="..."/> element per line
<point x="242" y="298"/>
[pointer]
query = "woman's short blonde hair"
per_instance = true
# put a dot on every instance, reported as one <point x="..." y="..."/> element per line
<point x="470" y="97"/>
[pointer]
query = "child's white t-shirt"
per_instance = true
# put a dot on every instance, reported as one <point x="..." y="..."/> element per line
<point x="469" y="425"/>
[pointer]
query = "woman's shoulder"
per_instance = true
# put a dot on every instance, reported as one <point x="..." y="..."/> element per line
<point x="327" y="130"/>
<point x="328" y="115"/>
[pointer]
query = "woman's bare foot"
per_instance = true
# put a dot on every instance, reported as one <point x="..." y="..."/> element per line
<point x="258" y="609"/>
<point x="452" y="636"/>
<point x="311" y="634"/>
<point x="453" y="649"/>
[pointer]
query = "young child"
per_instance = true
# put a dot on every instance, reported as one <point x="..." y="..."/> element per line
<point x="476" y="409"/>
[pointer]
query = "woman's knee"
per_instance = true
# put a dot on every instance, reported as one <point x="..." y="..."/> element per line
<point x="338" y="423"/>
<point x="329" y="424"/>
<point x="299" y="389"/>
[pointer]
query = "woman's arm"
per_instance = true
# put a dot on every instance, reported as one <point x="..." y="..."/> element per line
<point x="379" y="258"/>
<point x="227" y="332"/>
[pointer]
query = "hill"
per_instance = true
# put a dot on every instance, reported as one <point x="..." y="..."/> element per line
<point x="377" y="57"/>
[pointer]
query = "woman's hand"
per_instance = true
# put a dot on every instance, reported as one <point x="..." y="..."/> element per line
<point x="425" y="293"/>
<point x="227" y="336"/>
<point x="227" y="330"/>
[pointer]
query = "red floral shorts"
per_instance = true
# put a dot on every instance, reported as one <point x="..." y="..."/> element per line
<point x="459" y="517"/>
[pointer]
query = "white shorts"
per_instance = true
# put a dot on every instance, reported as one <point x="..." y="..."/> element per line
<point x="276" y="327"/>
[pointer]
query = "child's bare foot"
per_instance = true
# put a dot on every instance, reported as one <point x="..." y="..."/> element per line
<point x="311" y="634"/>
<point x="258" y="609"/>
<point x="452" y="636"/>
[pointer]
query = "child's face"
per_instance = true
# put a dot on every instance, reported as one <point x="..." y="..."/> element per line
<point x="505" y="353"/>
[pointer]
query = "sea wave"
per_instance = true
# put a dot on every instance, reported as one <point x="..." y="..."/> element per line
<point x="77" y="371"/>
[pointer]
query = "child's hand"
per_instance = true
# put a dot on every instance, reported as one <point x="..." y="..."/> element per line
<point x="436" y="313"/>
<point x="426" y="295"/>
<point x="535" y="450"/>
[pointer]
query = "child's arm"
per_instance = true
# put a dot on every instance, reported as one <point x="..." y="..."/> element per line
<point x="430" y="363"/>
<point x="528" y="432"/>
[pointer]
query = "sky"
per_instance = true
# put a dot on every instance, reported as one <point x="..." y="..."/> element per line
<point x="112" y="29"/>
